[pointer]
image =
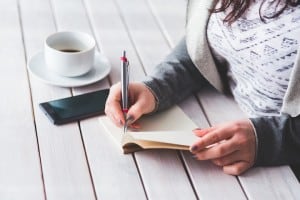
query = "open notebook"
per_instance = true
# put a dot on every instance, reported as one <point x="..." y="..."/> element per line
<point x="170" y="129"/>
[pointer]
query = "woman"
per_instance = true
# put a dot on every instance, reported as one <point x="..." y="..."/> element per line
<point x="248" y="47"/>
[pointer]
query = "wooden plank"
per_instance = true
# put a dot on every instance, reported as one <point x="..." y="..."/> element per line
<point x="271" y="183"/>
<point x="198" y="171"/>
<point x="20" y="169"/>
<point x="216" y="111"/>
<point x="170" y="17"/>
<point x="152" y="48"/>
<point x="112" y="37"/>
<point x="65" y="169"/>
<point x="70" y="16"/>
<point x="110" y="169"/>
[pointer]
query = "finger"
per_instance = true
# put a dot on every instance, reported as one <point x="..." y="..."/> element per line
<point x="117" y="122"/>
<point x="211" y="138"/>
<point x="114" y="111"/>
<point x="135" y="126"/>
<point x="237" y="168"/>
<point x="113" y="105"/>
<point x="201" y="132"/>
<point x="115" y="92"/>
<point x="216" y="163"/>
<point x="228" y="159"/>
<point x="217" y="151"/>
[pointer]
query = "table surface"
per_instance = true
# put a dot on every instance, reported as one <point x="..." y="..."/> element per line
<point x="79" y="161"/>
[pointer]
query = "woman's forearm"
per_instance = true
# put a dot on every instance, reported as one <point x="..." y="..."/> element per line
<point x="175" y="78"/>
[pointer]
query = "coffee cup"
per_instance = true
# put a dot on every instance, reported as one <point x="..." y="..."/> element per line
<point x="69" y="54"/>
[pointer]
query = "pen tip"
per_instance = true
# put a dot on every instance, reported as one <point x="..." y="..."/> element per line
<point x="124" y="53"/>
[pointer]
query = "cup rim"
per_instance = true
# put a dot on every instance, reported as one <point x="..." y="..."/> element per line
<point x="91" y="47"/>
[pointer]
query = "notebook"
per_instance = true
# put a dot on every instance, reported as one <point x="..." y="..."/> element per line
<point x="170" y="129"/>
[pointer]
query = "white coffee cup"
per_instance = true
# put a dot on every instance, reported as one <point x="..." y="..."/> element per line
<point x="69" y="54"/>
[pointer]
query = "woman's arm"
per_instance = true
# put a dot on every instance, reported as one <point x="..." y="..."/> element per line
<point x="175" y="78"/>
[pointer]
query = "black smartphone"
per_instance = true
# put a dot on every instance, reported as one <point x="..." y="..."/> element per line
<point x="75" y="108"/>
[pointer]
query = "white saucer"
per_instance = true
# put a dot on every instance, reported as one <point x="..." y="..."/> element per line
<point x="38" y="69"/>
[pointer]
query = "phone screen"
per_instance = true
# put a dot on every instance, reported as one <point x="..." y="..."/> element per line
<point x="74" y="108"/>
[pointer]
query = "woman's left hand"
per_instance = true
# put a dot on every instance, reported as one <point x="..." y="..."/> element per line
<point x="230" y="145"/>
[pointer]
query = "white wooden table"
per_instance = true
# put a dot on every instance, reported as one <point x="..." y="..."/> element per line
<point x="78" y="161"/>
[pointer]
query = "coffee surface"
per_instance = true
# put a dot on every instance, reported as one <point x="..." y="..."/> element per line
<point x="70" y="50"/>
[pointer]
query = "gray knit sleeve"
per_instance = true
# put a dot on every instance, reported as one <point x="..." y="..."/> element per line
<point x="278" y="140"/>
<point x="174" y="78"/>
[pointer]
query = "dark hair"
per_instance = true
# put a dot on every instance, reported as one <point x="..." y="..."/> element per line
<point x="238" y="7"/>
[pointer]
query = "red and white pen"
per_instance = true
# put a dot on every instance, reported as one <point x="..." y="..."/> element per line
<point x="124" y="86"/>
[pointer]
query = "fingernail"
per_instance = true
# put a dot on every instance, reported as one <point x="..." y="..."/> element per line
<point x="194" y="148"/>
<point x="197" y="129"/>
<point x="130" y="119"/>
<point x="121" y="123"/>
<point x="135" y="126"/>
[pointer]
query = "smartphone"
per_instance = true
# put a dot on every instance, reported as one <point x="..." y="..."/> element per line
<point x="70" y="109"/>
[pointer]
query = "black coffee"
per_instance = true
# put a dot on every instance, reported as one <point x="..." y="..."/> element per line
<point x="70" y="50"/>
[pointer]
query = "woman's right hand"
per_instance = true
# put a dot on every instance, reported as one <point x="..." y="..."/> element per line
<point x="141" y="101"/>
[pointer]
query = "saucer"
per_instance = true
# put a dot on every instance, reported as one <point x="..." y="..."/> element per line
<point x="38" y="69"/>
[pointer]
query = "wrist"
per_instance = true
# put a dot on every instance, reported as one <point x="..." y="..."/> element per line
<point x="153" y="97"/>
<point x="256" y="141"/>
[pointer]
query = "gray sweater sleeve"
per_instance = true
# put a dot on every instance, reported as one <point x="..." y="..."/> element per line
<point x="174" y="78"/>
<point x="278" y="140"/>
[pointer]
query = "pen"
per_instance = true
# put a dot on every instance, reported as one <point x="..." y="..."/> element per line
<point x="124" y="86"/>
